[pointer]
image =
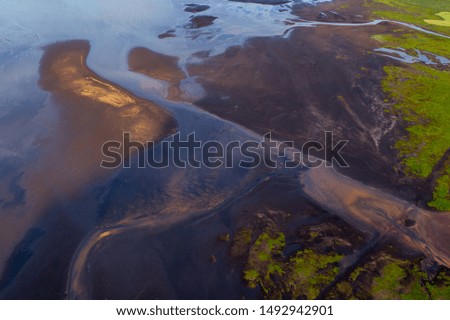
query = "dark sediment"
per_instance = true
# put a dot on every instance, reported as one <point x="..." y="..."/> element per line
<point x="195" y="8"/>
<point x="198" y="22"/>
<point x="316" y="80"/>
<point x="215" y="253"/>
<point x="267" y="2"/>
<point x="350" y="11"/>
<point x="155" y="65"/>
<point x="167" y="34"/>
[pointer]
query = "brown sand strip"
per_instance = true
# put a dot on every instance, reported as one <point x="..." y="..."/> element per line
<point x="373" y="210"/>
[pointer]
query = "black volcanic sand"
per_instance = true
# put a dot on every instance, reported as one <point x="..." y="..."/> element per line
<point x="268" y="2"/>
<point x="204" y="258"/>
<point x="39" y="265"/>
<point x="155" y="65"/>
<point x="167" y="34"/>
<point x="350" y="11"/>
<point x="202" y="21"/>
<point x="318" y="79"/>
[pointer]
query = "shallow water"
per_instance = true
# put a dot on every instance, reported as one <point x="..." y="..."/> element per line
<point x="400" y="54"/>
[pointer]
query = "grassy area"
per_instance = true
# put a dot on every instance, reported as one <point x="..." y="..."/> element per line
<point x="420" y="94"/>
<point x="400" y="280"/>
<point x="412" y="11"/>
<point x="441" y="194"/>
<point x="412" y="41"/>
<point x="264" y="264"/>
<point x="388" y="278"/>
<point x="445" y="21"/>
<point x="303" y="275"/>
<point x="440" y="289"/>
<point x="309" y="273"/>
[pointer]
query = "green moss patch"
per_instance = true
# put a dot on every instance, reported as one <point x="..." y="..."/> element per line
<point x="445" y="22"/>
<point x="384" y="277"/>
<point x="303" y="275"/>
<point x="421" y="95"/>
<point x="412" y="41"/>
<point x="399" y="280"/>
<point x="411" y="11"/>
<point x="441" y="194"/>
<point x="309" y="273"/>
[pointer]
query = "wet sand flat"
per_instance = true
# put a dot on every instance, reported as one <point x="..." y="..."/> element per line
<point x="155" y="65"/>
<point x="93" y="111"/>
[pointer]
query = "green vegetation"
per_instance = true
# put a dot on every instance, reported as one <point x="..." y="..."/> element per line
<point x="355" y="274"/>
<point x="399" y="280"/>
<point x="388" y="278"/>
<point x="263" y="262"/>
<point x="422" y="96"/>
<point x="313" y="235"/>
<point x="441" y="290"/>
<point x="411" y="11"/>
<point x="304" y="275"/>
<point x="224" y="237"/>
<point x="441" y="194"/>
<point x="445" y="22"/>
<point x="412" y="41"/>
<point x="402" y="279"/>
<point x="309" y="273"/>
